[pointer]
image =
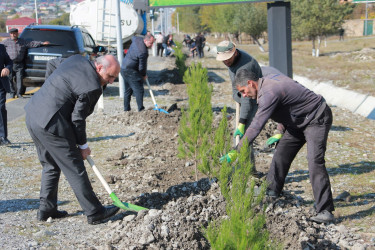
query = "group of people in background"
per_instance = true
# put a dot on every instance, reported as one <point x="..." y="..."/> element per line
<point x="195" y="45"/>
<point x="164" y="45"/>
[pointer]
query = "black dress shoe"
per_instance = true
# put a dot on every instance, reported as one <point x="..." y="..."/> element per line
<point x="101" y="216"/>
<point x="44" y="215"/>
<point x="4" y="141"/>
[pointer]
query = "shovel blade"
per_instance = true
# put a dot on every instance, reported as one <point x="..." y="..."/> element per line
<point x="125" y="205"/>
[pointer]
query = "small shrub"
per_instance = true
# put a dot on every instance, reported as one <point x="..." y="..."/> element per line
<point x="196" y="121"/>
<point x="180" y="59"/>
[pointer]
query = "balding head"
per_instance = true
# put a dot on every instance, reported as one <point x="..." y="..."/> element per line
<point x="107" y="68"/>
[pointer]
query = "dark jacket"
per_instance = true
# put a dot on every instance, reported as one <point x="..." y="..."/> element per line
<point x="199" y="40"/>
<point x="243" y="61"/>
<point x="5" y="62"/>
<point x="136" y="58"/>
<point x="66" y="98"/>
<point x="285" y="101"/>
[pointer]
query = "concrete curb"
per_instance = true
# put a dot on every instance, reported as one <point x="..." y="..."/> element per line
<point x="351" y="100"/>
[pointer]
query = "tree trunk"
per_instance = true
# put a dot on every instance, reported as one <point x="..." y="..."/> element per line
<point x="325" y="41"/>
<point x="258" y="43"/>
<point x="313" y="47"/>
<point x="319" y="42"/>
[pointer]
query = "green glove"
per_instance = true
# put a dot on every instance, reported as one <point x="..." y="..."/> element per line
<point x="274" y="139"/>
<point x="240" y="130"/>
<point x="230" y="157"/>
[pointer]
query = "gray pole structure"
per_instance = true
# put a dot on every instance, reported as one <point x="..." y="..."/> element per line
<point x="178" y="25"/>
<point x="161" y="21"/>
<point x="366" y="18"/>
<point x="280" y="37"/>
<point x="36" y="13"/>
<point x="120" y="53"/>
<point x="153" y="32"/>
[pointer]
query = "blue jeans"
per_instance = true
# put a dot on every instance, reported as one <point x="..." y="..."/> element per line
<point x="133" y="85"/>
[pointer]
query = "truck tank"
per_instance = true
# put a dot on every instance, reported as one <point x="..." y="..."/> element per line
<point x="99" y="18"/>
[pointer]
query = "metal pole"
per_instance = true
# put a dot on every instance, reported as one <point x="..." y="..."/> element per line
<point x="120" y="52"/>
<point x="153" y="32"/>
<point x="366" y="19"/>
<point x="178" y="25"/>
<point x="36" y="13"/>
<point x="161" y="21"/>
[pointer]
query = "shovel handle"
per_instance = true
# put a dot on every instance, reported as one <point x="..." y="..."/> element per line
<point x="237" y="121"/>
<point x="100" y="176"/>
<point x="152" y="94"/>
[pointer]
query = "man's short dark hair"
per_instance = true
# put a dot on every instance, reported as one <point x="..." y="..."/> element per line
<point x="13" y="30"/>
<point x="148" y="37"/>
<point x="244" y="75"/>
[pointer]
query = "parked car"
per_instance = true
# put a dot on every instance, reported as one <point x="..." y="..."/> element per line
<point x="64" y="42"/>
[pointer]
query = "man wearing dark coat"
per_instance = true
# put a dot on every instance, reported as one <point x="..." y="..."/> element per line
<point x="17" y="51"/>
<point x="134" y="70"/>
<point x="56" y="120"/>
<point x="5" y="69"/>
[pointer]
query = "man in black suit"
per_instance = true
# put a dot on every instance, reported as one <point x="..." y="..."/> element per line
<point x="5" y="67"/>
<point x="56" y="119"/>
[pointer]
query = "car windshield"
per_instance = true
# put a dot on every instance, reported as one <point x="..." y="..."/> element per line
<point x="63" y="38"/>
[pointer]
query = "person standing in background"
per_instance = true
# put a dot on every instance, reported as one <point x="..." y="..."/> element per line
<point x="159" y="44"/>
<point x="134" y="70"/>
<point x="6" y="65"/>
<point x="17" y="49"/>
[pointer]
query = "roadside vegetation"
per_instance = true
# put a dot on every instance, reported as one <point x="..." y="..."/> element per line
<point x="244" y="228"/>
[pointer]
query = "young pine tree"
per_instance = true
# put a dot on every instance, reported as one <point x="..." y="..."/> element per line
<point x="196" y="122"/>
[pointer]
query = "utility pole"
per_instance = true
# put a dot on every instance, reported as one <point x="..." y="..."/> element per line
<point x="36" y="13"/>
<point x="178" y="25"/>
<point x="366" y="18"/>
<point x="120" y="51"/>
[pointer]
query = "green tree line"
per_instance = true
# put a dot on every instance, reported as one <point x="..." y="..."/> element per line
<point x="310" y="19"/>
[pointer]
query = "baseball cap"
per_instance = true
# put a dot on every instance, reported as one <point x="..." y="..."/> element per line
<point x="13" y="30"/>
<point x="225" y="50"/>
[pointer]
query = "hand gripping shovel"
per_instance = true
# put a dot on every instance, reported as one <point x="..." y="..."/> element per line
<point x="116" y="201"/>
<point x="153" y="99"/>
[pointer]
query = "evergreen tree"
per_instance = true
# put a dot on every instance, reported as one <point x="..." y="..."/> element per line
<point x="196" y="121"/>
<point x="318" y="18"/>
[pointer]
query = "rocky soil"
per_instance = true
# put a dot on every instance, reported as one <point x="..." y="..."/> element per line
<point x="137" y="154"/>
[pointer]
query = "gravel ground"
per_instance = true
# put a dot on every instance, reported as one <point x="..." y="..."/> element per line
<point x="136" y="152"/>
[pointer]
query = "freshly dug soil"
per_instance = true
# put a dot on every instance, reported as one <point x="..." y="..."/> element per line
<point x="137" y="154"/>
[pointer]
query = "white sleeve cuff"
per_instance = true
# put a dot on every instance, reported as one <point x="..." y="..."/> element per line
<point x="84" y="146"/>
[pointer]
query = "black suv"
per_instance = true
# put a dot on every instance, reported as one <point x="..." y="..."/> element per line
<point x="64" y="42"/>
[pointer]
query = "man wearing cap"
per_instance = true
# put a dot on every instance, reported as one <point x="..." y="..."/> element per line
<point x="17" y="48"/>
<point x="236" y="59"/>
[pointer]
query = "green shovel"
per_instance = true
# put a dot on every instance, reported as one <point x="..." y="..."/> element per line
<point x="116" y="201"/>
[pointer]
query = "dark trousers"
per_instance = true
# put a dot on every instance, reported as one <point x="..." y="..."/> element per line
<point x="133" y="85"/>
<point x="315" y="135"/>
<point x="16" y="79"/>
<point x="3" y="113"/>
<point x="200" y="51"/>
<point x="58" y="154"/>
<point x="159" y="49"/>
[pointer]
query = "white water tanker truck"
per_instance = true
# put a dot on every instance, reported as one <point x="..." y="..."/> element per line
<point x="99" y="18"/>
